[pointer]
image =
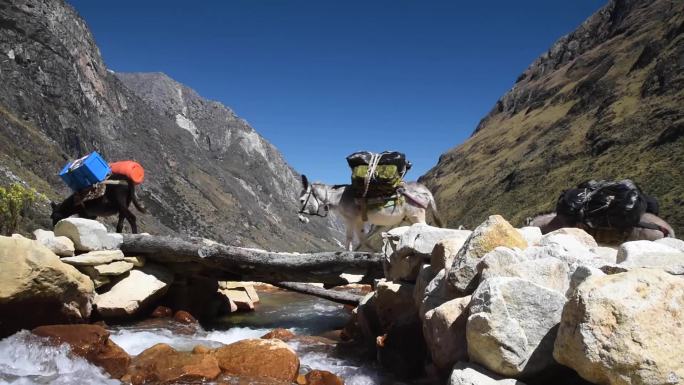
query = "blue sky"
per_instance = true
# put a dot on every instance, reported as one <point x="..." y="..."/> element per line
<point x="321" y="79"/>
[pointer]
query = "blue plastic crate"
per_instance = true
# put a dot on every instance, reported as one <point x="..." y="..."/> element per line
<point x="85" y="172"/>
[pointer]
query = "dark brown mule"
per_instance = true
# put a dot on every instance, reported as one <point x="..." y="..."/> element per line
<point x="651" y="228"/>
<point x="116" y="199"/>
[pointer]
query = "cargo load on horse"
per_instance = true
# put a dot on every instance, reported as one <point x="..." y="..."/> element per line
<point x="377" y="175"/>
<point x="608" y="204"/>
<point x="100" y="189"/>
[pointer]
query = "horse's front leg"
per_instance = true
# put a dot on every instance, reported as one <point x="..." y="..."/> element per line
<point x="358" y="229"/>
<point x="349" y="239"/>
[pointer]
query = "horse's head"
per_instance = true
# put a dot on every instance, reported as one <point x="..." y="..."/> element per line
<point x="57" y="215"/>
<point x="311" y="200"/>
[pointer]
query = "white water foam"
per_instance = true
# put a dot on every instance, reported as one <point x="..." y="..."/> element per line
<point x="134" y="341"/>
<point x="26" y="359"/>
<point x="352" y="375"/>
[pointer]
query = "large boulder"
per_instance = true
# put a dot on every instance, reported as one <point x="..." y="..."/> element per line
<point x="512" y="326"/>
<point x="444" y="252"/>
<point x="162" y="364"/>
<point x="90" y="342"/>
<point x="532" y="234"/>
<point x="270" y="358"/>
<point x="569" y="250"/>
<point x="393" y="300"/>
<point x="650" y="254"/>
<point x="134" y="292"/>
<point x="435" y="293"/>
<point x="580" y="235"/>
<point x="426" y="274"/>
<point x="406" y="248"/>
<point x="494" y="232"/>
<point x="61" y="246"/>
<point x="548" y="272"/>
<point x="672" y="242"/>
<point x="36" y="288"/>
<point x="624" y="329"/>
<point x="466" y="373"/>
<point x="87" y="234"/>
<point x="444" y="329"/>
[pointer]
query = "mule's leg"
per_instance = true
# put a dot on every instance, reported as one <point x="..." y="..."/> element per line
<point x="349" y="241"/>
<point x="358" y="230"/>
<point x="124" y="212"/>
<point x="133" y="221"/>
<point x="119" y="225"/>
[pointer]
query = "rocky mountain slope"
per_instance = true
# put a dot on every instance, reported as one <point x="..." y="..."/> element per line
<point x="208" y="173"/>
<point x="606" y="101"/>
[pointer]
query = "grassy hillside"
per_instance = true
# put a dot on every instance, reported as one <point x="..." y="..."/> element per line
<point x="606" y="101"/>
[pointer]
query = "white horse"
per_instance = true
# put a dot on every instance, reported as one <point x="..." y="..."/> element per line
<point x="318" y="199"/>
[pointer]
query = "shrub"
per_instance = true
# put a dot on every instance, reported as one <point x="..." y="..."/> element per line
<point x="15" y="202"/>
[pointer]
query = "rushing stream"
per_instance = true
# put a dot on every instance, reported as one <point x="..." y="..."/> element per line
<point x="26" y="359"/>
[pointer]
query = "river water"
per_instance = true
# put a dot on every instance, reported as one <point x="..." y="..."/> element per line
<point x="26" y="359"/>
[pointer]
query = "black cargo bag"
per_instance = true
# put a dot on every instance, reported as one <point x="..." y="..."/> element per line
<point x="604" y="204"/>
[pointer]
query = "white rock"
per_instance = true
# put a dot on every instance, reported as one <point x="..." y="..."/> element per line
<point x="94" y="258"/>
<point x="135" y="291"/>
<point x="114" y="268"/>
<point x="239" y="297"/>
<point x="444" y="329"/>
<point x="393" y="301"/>
<point x="87" y="235"/>
<point x="510" y="329"/>
<point x="580" y="235"/>
<point x="568" y="250"/>
<point x="492" y="233"/>
<point x="608" y="254"/>
<point x="580" y="275"/>
<point x="436" y="293"/>
<point x="445" y="251"/>
<point x="136" y="261"/>
<point x="36" y="288"/>
<point x="625" y="329"/>
<point x="548" y="272"/>
<point x="650" y="254"/>
<point x="61" y="246"/>
<point x="532" y="234"/>
<point x="247" y="287"/>
<point x="405" y="248"/>
<point x="467" y="373"/>
<point x="425" y="275"/>
<point x="672" y="242"/>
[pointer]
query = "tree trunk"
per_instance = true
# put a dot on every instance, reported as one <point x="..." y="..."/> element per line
<point x="201" y="256"/>
<point x="332" y="295"/>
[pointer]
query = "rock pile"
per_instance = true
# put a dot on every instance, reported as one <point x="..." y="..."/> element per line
<point x="500" y="305"/>
<point x="78" y="269"/>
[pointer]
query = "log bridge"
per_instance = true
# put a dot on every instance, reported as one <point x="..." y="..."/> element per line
<point x="199" y="256"/>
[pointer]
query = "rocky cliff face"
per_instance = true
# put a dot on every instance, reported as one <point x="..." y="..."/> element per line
<point x="208" y="172"/>
<point x="604" y="102"/>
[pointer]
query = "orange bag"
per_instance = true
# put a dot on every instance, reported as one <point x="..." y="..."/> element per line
<point x="132" y="170"/>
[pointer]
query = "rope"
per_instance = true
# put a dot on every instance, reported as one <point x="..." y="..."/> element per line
<point x="372" y="167"/>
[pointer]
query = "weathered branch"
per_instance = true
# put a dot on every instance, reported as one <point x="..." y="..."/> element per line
<point x="332" y="295"/>
<point x="216" y="259"/>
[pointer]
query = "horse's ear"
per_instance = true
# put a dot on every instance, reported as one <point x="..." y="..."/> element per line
<point x="305" y="182"/>
<point x="53" y="205"/>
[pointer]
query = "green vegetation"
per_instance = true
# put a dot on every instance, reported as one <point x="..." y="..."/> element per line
<point x="15" y="203"/>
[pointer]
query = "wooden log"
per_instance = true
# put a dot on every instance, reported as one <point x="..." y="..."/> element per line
<point x="332" y="295"/>
<point x="220" y="260"/>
